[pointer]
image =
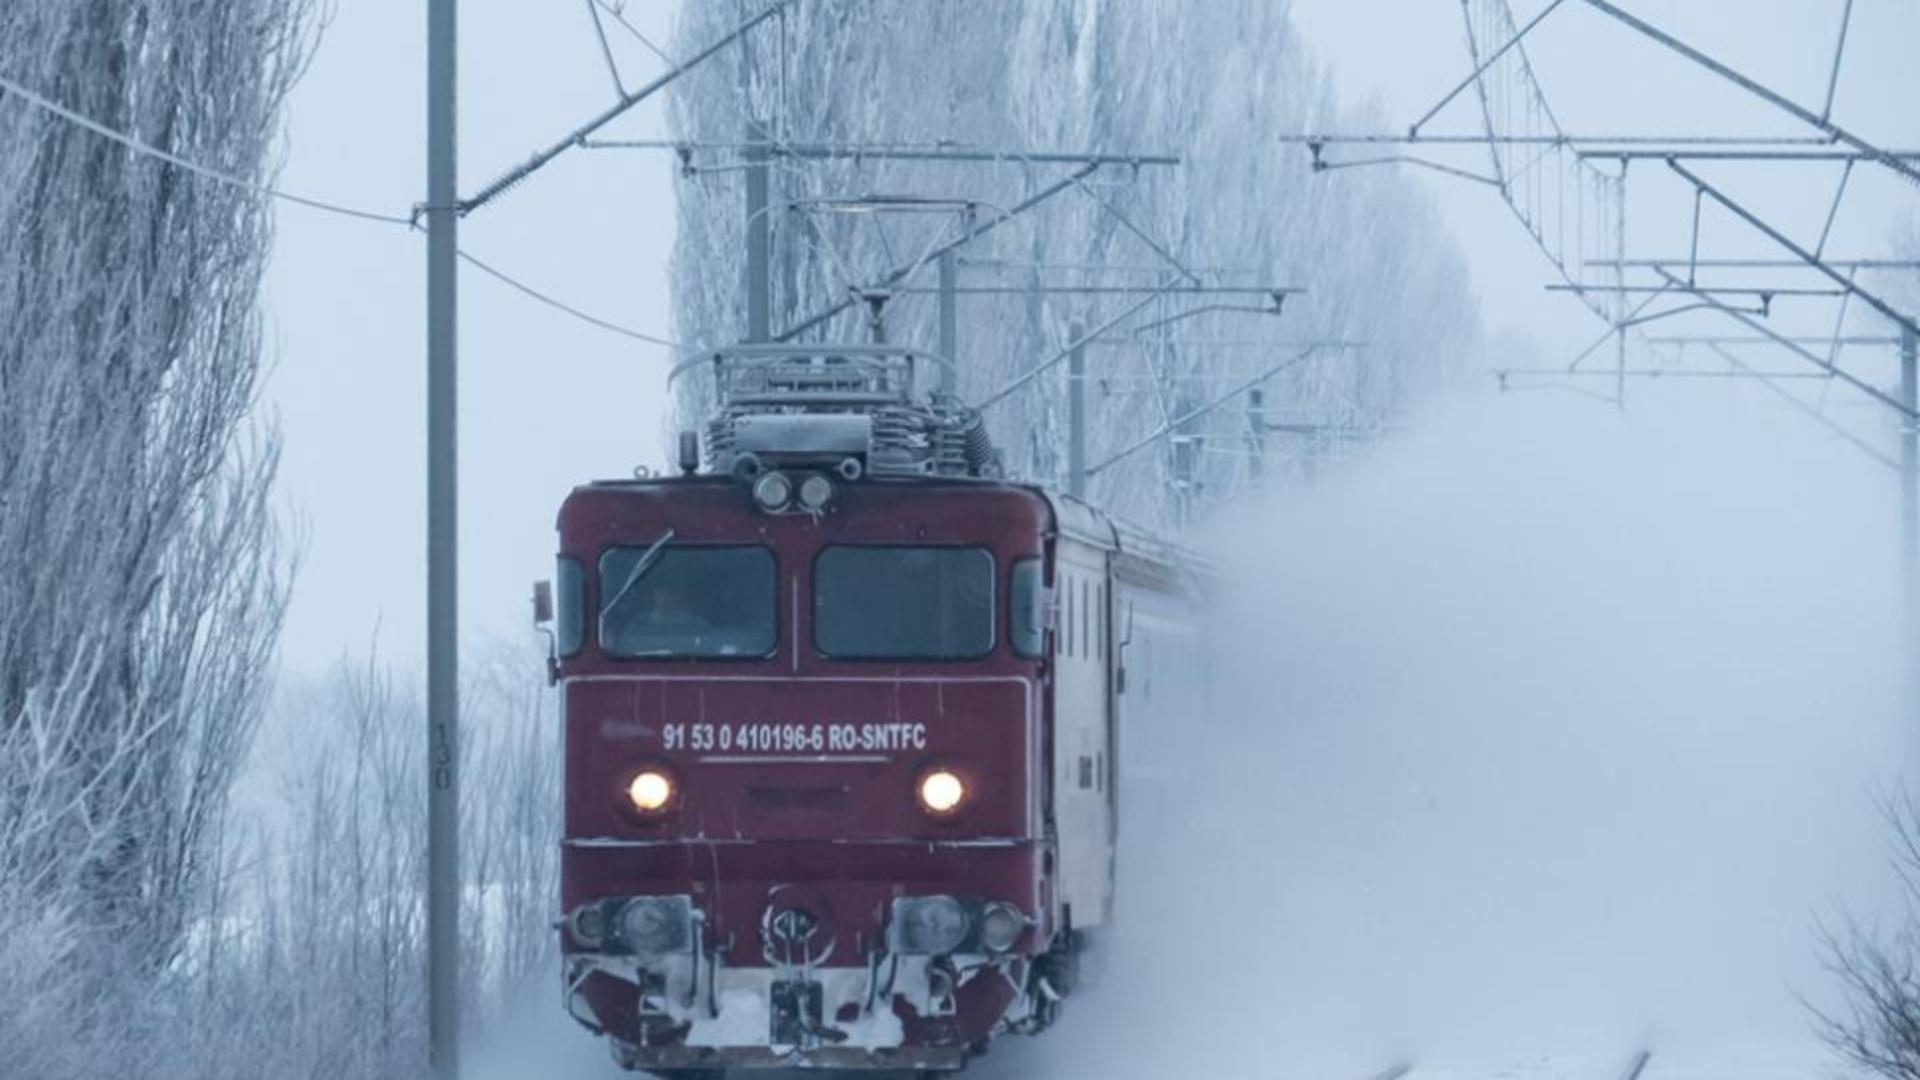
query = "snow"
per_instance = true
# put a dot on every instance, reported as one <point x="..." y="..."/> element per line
<point x="743" y="1021"/>
<point x="744" y="1018"/>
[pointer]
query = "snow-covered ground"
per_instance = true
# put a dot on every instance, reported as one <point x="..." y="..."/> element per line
<point x="1011" y="1059"/>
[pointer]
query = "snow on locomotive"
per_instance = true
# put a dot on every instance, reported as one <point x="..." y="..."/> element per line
<point x="841" y="716"/>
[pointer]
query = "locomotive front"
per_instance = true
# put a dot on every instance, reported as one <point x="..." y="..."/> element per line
<point x="805" y="774"/>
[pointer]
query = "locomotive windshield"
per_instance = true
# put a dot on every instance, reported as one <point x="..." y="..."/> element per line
<point x="903" y="603"/>
<point x="684" y="601"/>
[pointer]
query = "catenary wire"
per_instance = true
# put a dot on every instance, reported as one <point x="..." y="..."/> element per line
<point x="552" y="302"/>
<point x="131" y="143"/>
<point x="53" y="108"/>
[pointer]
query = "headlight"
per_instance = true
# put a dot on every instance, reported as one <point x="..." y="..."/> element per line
<point x="816" y="492"/>
<point x="650" y="791"/>
<point x="1001" y="926"/>
<point x="941" y="792"/>
<point x="928" y="925"/>
<point x="772" y="491"/>
<point x="655" y="926"/>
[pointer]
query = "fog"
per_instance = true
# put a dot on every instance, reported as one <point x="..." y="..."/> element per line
<point x="1540" y="728"/>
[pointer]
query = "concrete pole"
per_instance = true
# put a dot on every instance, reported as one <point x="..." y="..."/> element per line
<point x="949" y="319"/>
<point x="1185" y="449"/>
<point x="1620" y="295"/>
<point x="1910" y="506"/>
<point x="443" y="625"/>
<point x="1077" y="415"/>
<point x="1620" y="366"/>
<point x="759" y="238"/>
<point x="1257" y="434"/>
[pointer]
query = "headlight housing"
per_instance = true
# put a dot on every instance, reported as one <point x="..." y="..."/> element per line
<point x="1001" y="924"/>
<point x="647" y="927"/>
<point x="654" y="926"/>
<point x="816" y="492"/>
<point x="928" y="925"/>
<point x="772" y="491"/>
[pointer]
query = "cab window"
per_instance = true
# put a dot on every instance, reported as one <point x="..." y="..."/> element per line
<point x="688" y="601"/>
<point x="1029" y="614"/>
<point x="914" y="602"/>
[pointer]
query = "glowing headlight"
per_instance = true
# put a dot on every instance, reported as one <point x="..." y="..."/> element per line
<point x="654" y="926"/>
<point x="650" y="791"/>
<point x="1000" y="927"/>
<point x="816" y="492"/>
<point x="941" y="792"/>
<point x="772" y="491"/>
<point x="928" y="925"/>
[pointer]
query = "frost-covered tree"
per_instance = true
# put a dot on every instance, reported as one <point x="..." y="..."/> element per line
<point x="1877" y="966"/>
<point x="318" y="936"/>
<point x="140" y="584"/>
<point x="1143" y="76"/>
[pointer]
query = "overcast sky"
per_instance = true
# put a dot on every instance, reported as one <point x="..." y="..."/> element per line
<point x="548" y="401"/>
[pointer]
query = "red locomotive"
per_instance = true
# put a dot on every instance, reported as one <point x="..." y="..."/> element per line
<point x="841" y="718"/>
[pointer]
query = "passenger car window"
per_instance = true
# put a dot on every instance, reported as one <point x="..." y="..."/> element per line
<point x="1066" y="615"/>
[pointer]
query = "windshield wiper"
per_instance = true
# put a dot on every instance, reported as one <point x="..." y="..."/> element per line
<point x="640" y="568"/>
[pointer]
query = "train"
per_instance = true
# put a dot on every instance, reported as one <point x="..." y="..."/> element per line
<point x="844" y="711"/>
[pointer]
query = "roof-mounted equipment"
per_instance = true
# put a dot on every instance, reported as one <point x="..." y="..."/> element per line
<point x="856" y="409"/>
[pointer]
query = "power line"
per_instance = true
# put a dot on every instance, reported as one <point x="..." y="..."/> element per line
<point x="900" y="273"/>
<point x="1273" y="292"/>
<point x="687" y="148"/>
<point x="1812" y="260"/>
<point x="552" y="302"/>
<point x="1174" y="424"/>
<point x="1595" y="143"/>
<point x="1764" y="93"/>
<point x="620" y="17"/>
<point x="1759" y="264"/>
<point x="147" y="150"/>
<point x="513" y="177"/>
<point x="1141" y="234"/>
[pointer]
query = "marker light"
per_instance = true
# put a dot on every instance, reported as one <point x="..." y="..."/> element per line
<point x="816" y="492"/>
<point x="590" y="925"/>
<point x="941" y="792"/>
<point x="650" y="791"/>
<point x="772" y="491"/>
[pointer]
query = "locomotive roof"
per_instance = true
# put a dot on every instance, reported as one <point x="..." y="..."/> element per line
<point x="1143" y="557"/>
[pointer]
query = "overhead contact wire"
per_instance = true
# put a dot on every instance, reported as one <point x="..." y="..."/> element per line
<point x="560" y="305"/>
